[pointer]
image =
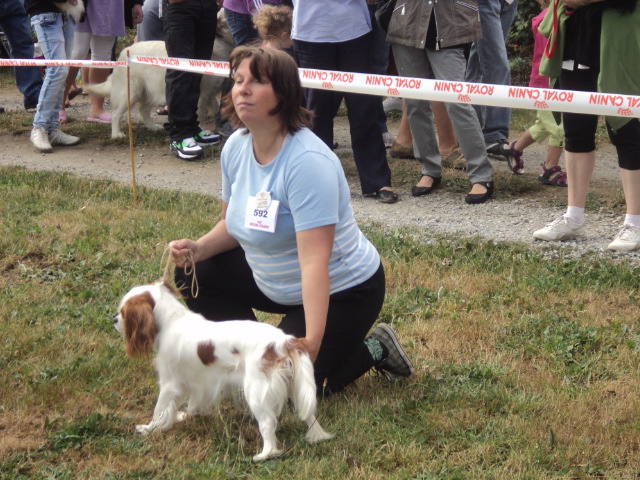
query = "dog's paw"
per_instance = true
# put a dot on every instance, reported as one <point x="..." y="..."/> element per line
<point x="118" y="135"/>
<point x="181" y="416"/>
<point x="144" y="429"/>
<point x="156" y="128"/>
<point x="262" y="456"/>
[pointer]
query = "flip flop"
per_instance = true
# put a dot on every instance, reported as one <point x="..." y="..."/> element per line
<point x="104" y="117"/>
<point x="162" y="111"/>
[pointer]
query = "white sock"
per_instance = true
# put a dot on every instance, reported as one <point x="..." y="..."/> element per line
<point x="576" y="214"/>
<point x="633" y="220"/>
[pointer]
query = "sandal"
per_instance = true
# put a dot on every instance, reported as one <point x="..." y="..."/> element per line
<point x="553" y="176"/>
<point x="514" y="159"/>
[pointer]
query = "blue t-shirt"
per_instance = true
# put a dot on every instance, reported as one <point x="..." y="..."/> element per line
<point x="307" y="179"/>
<point x="330" y="21"/>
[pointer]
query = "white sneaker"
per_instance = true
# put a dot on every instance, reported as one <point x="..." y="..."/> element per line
<point x="388" y="138"/>
<point x="58" y="137"/>
<point x="40" y="139"/>
<point x="562" y="228"/>
<point x="627" y="239"/>
<point x="392" y="104"/>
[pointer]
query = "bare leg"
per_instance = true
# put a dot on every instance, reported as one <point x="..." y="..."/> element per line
<point x="444" y="129"/>
<point x="553" y="156"/>
<point x="97" y="75"/>
<point x="630" y="183"/>
<point x="524" y="141"/>
<point x="404" y="137"/>
<point x="579" y="172"/>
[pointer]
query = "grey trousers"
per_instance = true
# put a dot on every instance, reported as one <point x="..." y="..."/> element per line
<point x="446" y="64"/>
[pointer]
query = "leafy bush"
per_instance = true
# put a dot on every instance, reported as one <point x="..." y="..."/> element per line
<point x="520" y="42"/>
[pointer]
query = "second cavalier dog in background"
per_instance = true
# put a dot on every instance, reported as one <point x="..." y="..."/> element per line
<point x="199" y="359"/>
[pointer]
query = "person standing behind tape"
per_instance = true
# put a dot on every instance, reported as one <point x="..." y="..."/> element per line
<point x="488" y="63"/>
<point x="189" y="31"/>
<point x="429" y="41"/>
<point x="15" y="25"/>
<point x="238" y="14"/>
<point x="336" y="35"/>
<point x="55" y="36"/>
<point x="596" y="49"/>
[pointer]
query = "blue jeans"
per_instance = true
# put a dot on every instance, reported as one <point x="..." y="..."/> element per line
<point x="15" y="24"/>
<point x="241" y="27"/>
<point x="151" y="27"/>
<point x="488" y="63"/>
<point x="55" y="35"/>
<point x="369" y="152"/>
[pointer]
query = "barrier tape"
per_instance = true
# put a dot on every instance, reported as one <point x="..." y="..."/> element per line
<point x="595" y="103"/>
<point x="38" y="62"/>
<point x="445" y="91"/>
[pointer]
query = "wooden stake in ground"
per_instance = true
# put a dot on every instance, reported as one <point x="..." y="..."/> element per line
<point x="133" y="166"/>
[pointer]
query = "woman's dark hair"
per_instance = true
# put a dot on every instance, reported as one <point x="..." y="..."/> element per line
<point x="281" y="70"/>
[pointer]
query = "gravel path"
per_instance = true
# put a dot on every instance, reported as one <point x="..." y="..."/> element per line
<point x="442" y="212"/>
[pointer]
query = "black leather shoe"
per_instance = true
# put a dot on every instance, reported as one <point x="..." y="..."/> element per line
<point x="383" y="196"/>
<point x="473" y="198"/>
<point x="386" y="196"/>
<point x="422" y="191"/>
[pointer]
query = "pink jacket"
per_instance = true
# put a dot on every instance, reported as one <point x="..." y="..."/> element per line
<point x="536" y="80"/>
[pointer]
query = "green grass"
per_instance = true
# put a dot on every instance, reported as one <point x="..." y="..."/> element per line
<point x="526" y="368"/>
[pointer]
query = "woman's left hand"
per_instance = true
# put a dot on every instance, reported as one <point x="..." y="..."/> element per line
<point x="136" y="14"/>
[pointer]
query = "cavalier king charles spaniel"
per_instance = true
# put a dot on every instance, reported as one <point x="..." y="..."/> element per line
<point x="200" y="359"/>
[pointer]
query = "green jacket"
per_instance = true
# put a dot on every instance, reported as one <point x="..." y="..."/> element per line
<point x="619" y="53"/>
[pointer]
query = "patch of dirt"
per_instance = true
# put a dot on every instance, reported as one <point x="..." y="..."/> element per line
<point x="508" y="217"/>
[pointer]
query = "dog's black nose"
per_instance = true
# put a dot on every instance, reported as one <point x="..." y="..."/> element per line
<point x="115" y="319"/>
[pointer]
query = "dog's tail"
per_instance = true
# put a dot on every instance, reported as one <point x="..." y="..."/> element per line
<point x="100" y="89"/>
<point x="303" y="390"/>
<point x="303" y="385"/>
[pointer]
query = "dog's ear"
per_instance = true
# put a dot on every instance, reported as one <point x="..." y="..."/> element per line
<point x="139" y="324"/>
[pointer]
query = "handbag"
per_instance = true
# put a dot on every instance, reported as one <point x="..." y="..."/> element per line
<point x="383" y="13"/>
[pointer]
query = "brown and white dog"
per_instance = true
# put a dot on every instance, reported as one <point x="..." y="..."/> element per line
<point x="147" y="83"/>
<point x="199" y="359"/>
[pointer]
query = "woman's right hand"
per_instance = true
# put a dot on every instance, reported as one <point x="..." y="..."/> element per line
<point x="180" y="250"/>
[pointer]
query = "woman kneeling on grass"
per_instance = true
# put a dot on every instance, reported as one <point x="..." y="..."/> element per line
<point x="288" y="242"/>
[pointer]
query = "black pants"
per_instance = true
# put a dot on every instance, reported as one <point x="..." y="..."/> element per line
<point x="227" y="291"/>
<point x="580" y="129"/>
<point x="189" y="30"/>
<point x="369" y="152"/>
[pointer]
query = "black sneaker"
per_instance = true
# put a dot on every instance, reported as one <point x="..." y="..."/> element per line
<point x="187" y="149"/>
<point x="206" y="138"/>
<point x="499" y="150"/>
<point x="396" y="365"/>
